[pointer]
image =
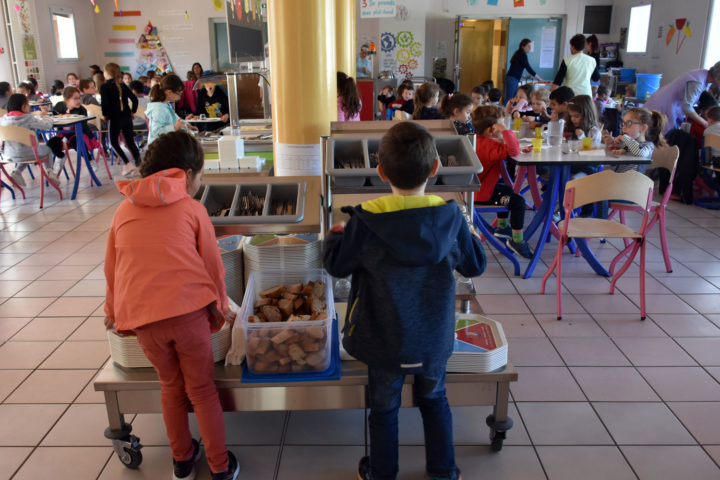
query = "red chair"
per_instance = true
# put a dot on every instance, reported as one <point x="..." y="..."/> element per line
<point x="663" y="157"/>
<point x="630" y="186"/>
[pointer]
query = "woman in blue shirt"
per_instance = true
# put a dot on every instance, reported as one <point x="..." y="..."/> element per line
<point x="518" y="63"/>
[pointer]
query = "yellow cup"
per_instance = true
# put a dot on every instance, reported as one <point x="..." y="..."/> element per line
<point x="538" y="132"/>
<point x="517" y="123"/>
<point x="537" y="144"/>
<point x="587" y="143"/>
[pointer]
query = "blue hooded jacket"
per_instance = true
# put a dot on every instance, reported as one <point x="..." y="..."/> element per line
<point x="401" y="309"/>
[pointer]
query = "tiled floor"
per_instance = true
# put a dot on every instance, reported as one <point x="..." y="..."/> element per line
<point x="601" y="394"/>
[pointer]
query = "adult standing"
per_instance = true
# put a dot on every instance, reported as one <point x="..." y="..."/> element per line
<point x="593" y="49"/>
<point x="575" y="71"/>
<point x="363" y="64"/>
<point x="677" y="99"/>
<point x="518" y="64"/>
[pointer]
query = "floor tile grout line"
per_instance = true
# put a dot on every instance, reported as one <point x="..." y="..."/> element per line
<point x="281" y="446"/>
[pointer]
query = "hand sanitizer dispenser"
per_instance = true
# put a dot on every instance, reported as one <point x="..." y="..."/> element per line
<point x="230" y="148"/>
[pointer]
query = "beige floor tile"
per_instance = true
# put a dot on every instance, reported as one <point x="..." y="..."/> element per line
<point x="8" y="288"/>
<point x="48" y="328"/>
<point x="50" y="259"/>
<point x="9" y="379"/>
<point x="546" y="384"/>
<point x="10" y="326"/>
<point x="252" y="428"/>
<point x="98" y="273"/>
<point x="43" y="236"/>
<point x="519" y="325"/>
<point x="25" y="425"/>
<point x="66" y="272"/>
<point x="586" y="462"/>
<point x="24" y="307"/>
<point x="701" y="418"/>
<point x="85" y="258"/>
<point x="300" y="462"/>
<point x="671" y="462"/>
<point x="66" y="462"/>
<point x="705" y="350"/>
<point x="72" y="306"/>
<point x="92" y="328"/>
<point x="628" y="325"/>
<point x="46" y="288"/>
<point x="67" y="248"/>
<point x="24" y="355"/>
<point x="320" y="427"/>
<point x="11" y="458"/>
<point x="714" y="452"/>
<point x="689" y="285"/>
<point x="603" y="304"/>
<point x="563" y="423"/>
<point x="643" y="424"/>
<point x="547" y="303"/>
<point x="88" y="288"/>
<point x="654" y="352"/>
<point x="571" y="325"/>
<point x="533" y="352"/>
<point x="10" y="259"/>
<point x="60" y="226"/>
<point x="51" y="386"/>
<point x="79" y="236"/>
<point x="24" y="246"/>
<point x="613" y="384"/>
<point x="682" y="384"/>
<point x="80" y="425"/>
<point x="24" y="272"/>
<point x="505" y="304"/>
<point x="82" y="355"/>
<point x="589" y="351"/>
<point x="89" y="395"/>
<point x="686" y="325"/>
<point x="514" y="462"/>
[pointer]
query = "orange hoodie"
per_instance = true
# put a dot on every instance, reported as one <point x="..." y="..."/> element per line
<point x="162" y="259"/>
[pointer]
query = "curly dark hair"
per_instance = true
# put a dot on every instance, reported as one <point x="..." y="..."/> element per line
<point x="176" y="149"/>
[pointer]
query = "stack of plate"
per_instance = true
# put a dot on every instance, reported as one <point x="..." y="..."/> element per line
<point x="480" y="345"/>
<point x="292" y="252"/>
<point x="126" y="351"/>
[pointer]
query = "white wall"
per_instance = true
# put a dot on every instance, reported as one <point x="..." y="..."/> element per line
<point x="659" y="57"/>
<point x="5" y="59"/>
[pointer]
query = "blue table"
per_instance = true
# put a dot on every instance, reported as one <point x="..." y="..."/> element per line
<point x="82" y="151"/>
<point x="559" y="165"/>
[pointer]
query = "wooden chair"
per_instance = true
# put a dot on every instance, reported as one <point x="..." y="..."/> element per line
<point x="13" y="133"/>
<point x="709" y="174"/>
<point x="663" y="157"/>
<point x="630" y="186"/>
<point x="3" y="112"/>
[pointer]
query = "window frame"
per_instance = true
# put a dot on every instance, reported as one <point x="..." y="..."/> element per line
<point x="63" y="11"/>
<point x="645" y="51"/>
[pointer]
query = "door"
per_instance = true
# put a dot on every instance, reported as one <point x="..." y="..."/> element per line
<point x="545" y="34"/>
<point x="475" y="52"/>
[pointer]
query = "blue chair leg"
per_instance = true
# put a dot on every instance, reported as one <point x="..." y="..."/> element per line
<point x="487" y="231"/>
<point x="5" y="185"/>
<point x="32" y="175"/>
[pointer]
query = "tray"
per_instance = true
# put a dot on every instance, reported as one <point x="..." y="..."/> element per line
<point x="221" y="196"/>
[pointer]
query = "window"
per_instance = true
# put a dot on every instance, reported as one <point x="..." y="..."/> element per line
<point x="63" y="24"/>
<point x="712" y="45"/>
<point x="638" y="29"/>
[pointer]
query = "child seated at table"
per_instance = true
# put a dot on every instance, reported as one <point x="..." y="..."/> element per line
<point x="384" y="99"/>
<point x="71" y="104"/>
<point x="559" y="99"/>
<point x="713" y="128"/>
<point x="494" y="96"/>
<point x="88" y="92"/>
<point x="520" y="102"/>
<point x="5" y="92"/>
<point x="704" y="104"/>
<point x="539" y="115"/>
<point x="27" y="89"/>
<point x="425" y="100"/>
<point x="401" y="251"/>
<point x="642" y="132"/>
<point x="161" y="115"/>
<point x="458" y="108"/>
<point x="405" y="94"/>
<point x="56" y="92"/>
<point x="479" y="95"/>
<point x="18" y="107"/>
<point x="494" y="144"/>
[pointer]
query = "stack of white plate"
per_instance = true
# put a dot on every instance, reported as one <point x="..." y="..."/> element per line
<point x="480" y="345"/>
<point x="126" y="351"/>
<point x="291" y="252"/>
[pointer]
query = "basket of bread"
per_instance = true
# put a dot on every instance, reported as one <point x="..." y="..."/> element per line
<point x="286" y="317"/>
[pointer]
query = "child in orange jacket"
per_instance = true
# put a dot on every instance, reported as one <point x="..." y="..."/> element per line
<point x="166" y="281"/>
<point x="493" y="144"/>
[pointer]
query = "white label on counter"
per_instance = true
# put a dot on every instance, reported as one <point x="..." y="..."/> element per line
<point x="297" y="160"/>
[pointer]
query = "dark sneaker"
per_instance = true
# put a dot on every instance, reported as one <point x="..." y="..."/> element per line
<point x="521" y="248"/>
<point x="185" y="470"/>
<point x="455" y="476"/>
<point x="232" y="471"/>
<point x="505" y="232"/>
<point x="363" y="472"/>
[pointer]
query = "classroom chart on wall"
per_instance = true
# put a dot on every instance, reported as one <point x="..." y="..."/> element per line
<point x="547" y="47"/>
<point x="545" y="34"/>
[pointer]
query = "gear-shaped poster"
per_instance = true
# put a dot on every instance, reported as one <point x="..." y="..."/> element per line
<point x="402" y="53"/>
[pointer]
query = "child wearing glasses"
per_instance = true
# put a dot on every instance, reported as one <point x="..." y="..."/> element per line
<point x="642" y="132"/>
<point x="161" y="115"/>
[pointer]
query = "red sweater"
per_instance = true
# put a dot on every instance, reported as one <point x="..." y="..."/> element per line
<point x="491" y="153"/>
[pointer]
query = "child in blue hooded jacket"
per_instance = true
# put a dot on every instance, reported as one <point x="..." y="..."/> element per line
<point x="401" y="251"/>
<point x="161" y="115"/>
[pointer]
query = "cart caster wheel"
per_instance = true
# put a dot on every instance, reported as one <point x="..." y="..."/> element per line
<point x="131" y="458"/>
<point x="496" y="440"/>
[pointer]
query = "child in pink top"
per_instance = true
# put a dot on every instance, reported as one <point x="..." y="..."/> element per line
<point x="349" y="104"/>
<point x="166" y="281"/>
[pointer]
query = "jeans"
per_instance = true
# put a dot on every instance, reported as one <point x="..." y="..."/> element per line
<point x="511" y="87"/>
<point x="384" y="400"/>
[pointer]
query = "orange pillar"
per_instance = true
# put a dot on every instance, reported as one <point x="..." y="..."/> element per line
<point x="304" y="91"/>
<point x="345" y="36"/>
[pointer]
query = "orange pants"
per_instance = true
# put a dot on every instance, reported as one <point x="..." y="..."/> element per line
<point x="180" y="350"/>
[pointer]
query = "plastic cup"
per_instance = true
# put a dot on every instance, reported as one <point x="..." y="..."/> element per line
<point x="537" y="145"/>
<point x="517" y="123"/>
<point x="538" y="132"/>
<point x="573" y="146"/>
<point x="587" y="143"/>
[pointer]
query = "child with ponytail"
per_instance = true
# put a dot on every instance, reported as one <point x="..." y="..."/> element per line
<point x="160" y="114"/>
<point x="425" y="99"/>
<point x="458" y="107"/>
<point x="642" y="132"/>
<point x="118" y="114"/>
<point x="348" y="99"/>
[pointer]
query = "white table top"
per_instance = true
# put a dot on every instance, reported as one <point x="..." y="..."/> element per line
<point x="206" y="120"/>
<point x="555" y="156"/>
<point x="70" y="119"/>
